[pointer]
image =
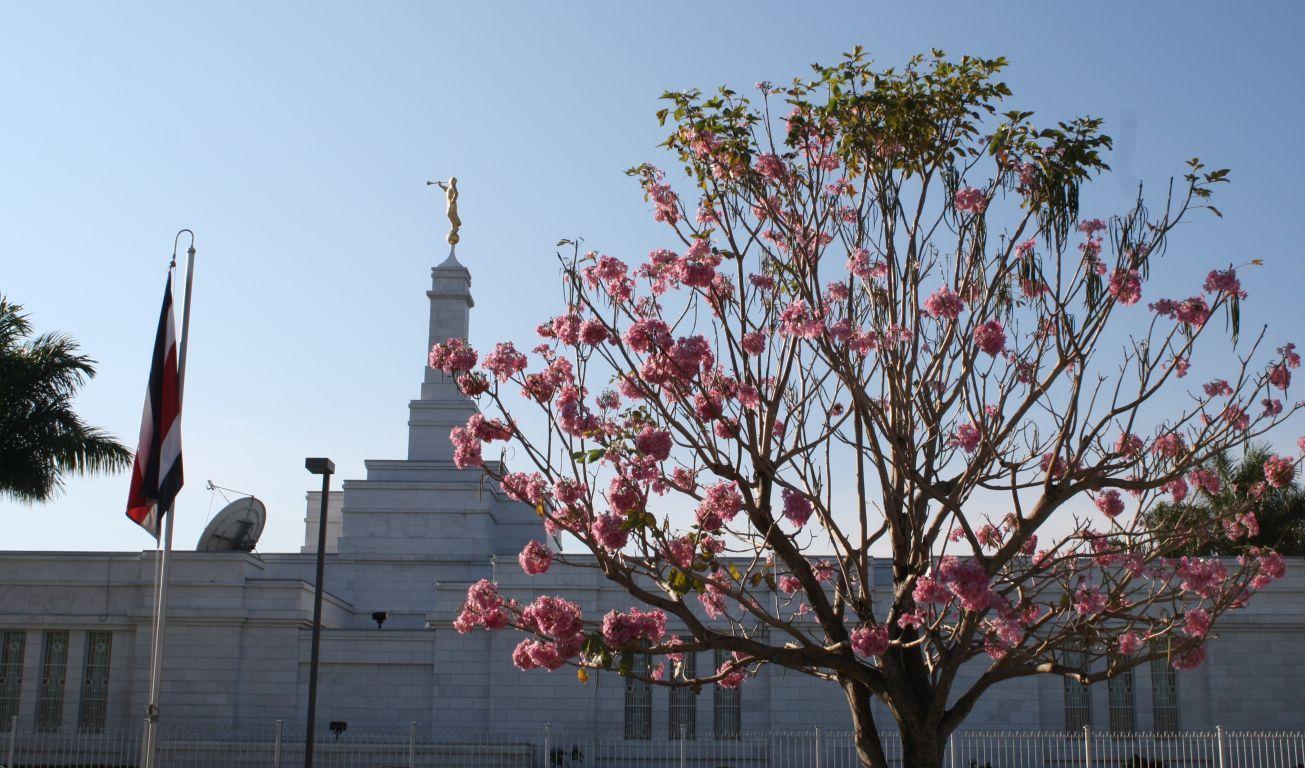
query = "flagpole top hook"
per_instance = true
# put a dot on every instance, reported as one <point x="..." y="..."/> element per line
<point x="177" y="241"/>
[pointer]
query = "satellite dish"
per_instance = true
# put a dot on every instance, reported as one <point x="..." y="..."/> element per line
<point x="235" y="528"/>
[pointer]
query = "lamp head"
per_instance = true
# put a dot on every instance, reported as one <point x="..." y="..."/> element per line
<point x="320" y="466"/>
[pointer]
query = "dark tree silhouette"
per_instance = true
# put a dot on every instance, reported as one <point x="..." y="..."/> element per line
<point x="1277" y="514"/>
<point x="42" y="440"/>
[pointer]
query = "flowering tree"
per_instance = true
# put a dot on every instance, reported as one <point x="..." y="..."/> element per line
<point x="883" y="328"/>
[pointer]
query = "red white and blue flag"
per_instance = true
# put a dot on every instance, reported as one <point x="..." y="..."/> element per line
<point x="156" y="476"/>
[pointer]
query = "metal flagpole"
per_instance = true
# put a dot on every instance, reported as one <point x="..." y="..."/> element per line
<point x="165" y="568"/>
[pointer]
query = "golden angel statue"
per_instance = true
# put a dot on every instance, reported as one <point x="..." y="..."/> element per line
<point x="451" y="193"/>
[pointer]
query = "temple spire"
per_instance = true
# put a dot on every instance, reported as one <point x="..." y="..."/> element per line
<point x="441" y="406"/>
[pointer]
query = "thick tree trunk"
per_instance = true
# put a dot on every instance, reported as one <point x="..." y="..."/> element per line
<point x="923" y="750"/>
<point x="869" y="750"/>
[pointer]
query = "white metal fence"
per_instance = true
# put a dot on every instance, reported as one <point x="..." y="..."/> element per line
<point x="280" y="745"/>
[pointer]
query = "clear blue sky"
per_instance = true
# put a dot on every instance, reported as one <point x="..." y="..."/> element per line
<point x="295" y="138"/>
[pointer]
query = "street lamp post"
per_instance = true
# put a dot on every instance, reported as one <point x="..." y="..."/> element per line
<point x="325" y="468"/>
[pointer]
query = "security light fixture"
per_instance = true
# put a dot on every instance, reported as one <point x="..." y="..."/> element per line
<point x="379" y="617"/>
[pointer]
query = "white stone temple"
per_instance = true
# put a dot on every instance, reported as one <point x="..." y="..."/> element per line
<point x="407" y="540"/>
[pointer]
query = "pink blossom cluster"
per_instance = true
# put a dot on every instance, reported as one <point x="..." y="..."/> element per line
<point x="964" y="580"/>
<point x="797" y="507"/>
<point x="559" y="625"/>
<point x="1129" y="643"/>
<point x="1224" y="281"/>
<point x="1269" y="566"/>
<point x="525" y="487"/>
<point x="504" y="361"/>
<point x="870" y="641"/>
<point x="1089" y="601"/>
<point x="990" y="338"/>
<point x="789" y="584"/>
<point x="1193" y="311"/>
<point x="609" y="531"/>
<point x="713" y="601"/>
<point x="970" y="200"/>
<point x="654" y="443"/>
<point x="797" y="320"/>
<point x="1126" y="286"/>
<point x="620" y="629"/>
<point x="1110" y="503"/>
<point x="720" y="503"/>
<point x="1201" y="576"/>
<point x="535" y="558"/>
<point x="1196" y="622"/>
<point x="1279" y="471"/>
<point x="484" y="607"/>
<point x="966" y="437"/>
<point x="612" y="274"/>
<point x="453" y="356"/>
<point x="944" y="303"/>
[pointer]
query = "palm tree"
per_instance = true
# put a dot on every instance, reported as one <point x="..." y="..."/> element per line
<point x="41" y="439"/>
<point x="1279" y="512"/>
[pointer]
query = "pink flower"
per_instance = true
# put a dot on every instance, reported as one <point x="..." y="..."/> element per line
<point x="970" y="200"/>
<point x="1190" y="660"/>
<point x="648" y="334"/>
<point x="1207" y="480"/>
<point x="966" y="437"/>
<point x="1224" y="281"/>
<point x="488" y="430"/>
<point x="483" y="608"/>
<point x="1196" y="622"/>
<point x="1200" y="576"/>
<point x="753" y="343"/>
<point x="608" y="532"/>
<point x="713" y="601"/>
<point x="504" y="361"/>
<point x="1279" y="471"/>
<point x="789" y="584"/>
<point x="593" y="332"/>
<point x="797" y="507"/>
<point x="944" y="303"/>
<point x="1089" y="601"/>
<point x="566" y="328"/>
<point x="680" y="552"/>
<point x="1126" y="286"/>
<point x="1129" y="643"/>
<point x="1110" y="503"/>
<point x="1193" y="311"/>
<point x="466" y="448"/>
<point x="720" y="503"/>
<point x="1169" y="446"/>
<point x="622" y="629"/>
<point x="1218" y="387"/>
<point x="535" y="558"/>
<point x="1090" y="227"/>
<point x="527" y="488"/>
<point x="797" y="320"/>
<point x="1280" y="376"/>
<point x="990" y="337"/>
<point x="452" y="356"/>
<point x="870" y="641"/>
<point x="1129" y="445"/>
<point x="654" y="443"/>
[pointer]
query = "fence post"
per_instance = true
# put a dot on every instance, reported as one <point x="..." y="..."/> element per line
<point x="548" y="745"/>
<point x="1218" y="731"/>
<point x="951" y="746"/>
<point x="276" y="746"/>
<point x="684" y="732"/>
<point x="13" y="740"/>
<point x="1087" y="746"/>
<point x="818" y="747"/>
<point x="412" y="744"/>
